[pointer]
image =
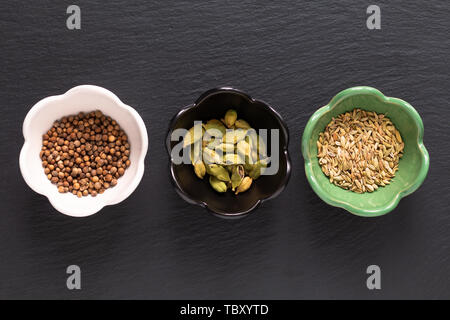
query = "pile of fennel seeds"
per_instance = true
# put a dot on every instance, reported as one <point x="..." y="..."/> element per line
<point x="360" y="150"/>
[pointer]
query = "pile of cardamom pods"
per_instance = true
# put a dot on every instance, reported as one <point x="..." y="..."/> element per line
<point x="229" y="150"/>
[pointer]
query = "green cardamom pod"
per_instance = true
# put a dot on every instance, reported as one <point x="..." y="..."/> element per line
<point x="256" y="142"/>
<point x="265" y="162"/>
<point x="218" y="171"/>
<point x="252" y="140"/>
<point x="212" y="143"/>
<point x="193" y="135"/>
<point x="196" y="152"/>
<point x="225" y="147"/>
<point x="210" y="156"/>
<point x="230" y="118"/>
<point x="243" y="148"/>
<point x="200" y="169"/>
<point x="212" y="125"/>
<point x="244" y="185"/>
<point x="217" y="185"/>
<point x="248" y="167"/>
<point x="234" y="136"/>
<point x="254" y="156"/>
<point x="258" y="168"/>
<point x="262" y="151"/>
<point x="237" y="175"/>
<point x="241" y="124"/>
<point x="231" y="158"/>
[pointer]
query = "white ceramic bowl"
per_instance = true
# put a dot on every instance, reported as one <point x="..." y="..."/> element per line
<point x="84" y="98"/>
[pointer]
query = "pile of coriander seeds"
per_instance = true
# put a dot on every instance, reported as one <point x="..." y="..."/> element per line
<point x="85" y="153"/>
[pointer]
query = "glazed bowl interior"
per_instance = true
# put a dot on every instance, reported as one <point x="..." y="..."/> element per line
<point x="213" y="105"/>
<point x="412" y="168"/>
<point x="81" y="99"/>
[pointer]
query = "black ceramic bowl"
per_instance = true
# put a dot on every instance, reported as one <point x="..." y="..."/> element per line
<point x="212" y="105"/>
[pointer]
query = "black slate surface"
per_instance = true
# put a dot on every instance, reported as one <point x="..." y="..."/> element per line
<point x="158" y="56"/>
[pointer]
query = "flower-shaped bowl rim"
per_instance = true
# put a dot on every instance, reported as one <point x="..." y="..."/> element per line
<point x="101" y="202"/>
<point x="202" y="203"/>
<point x="325" y="196"/>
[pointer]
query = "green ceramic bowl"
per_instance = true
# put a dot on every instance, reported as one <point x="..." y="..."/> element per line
<point x="413" y="166"/>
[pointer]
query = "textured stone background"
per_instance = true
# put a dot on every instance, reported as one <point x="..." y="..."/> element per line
<point x="159" y="56"/>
